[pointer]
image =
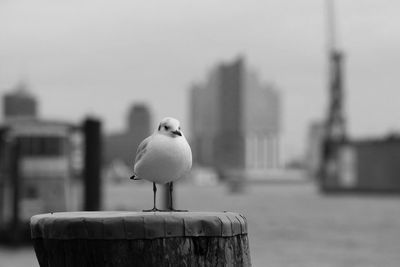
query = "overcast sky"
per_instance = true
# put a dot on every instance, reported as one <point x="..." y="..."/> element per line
<point x="98" y="57"/>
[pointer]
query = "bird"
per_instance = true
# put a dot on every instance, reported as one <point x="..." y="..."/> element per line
<point x="163" y="157"/>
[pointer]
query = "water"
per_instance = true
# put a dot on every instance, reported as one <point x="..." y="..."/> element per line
<point x="289" y="225"/>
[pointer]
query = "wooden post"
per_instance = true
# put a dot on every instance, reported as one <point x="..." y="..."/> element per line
<point x="93" y="156"/>
<point x="16" y="191"/>
<point x="140" y="239"/>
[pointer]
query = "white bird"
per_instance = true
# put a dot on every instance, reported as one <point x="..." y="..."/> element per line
<point x="163" y="157"/>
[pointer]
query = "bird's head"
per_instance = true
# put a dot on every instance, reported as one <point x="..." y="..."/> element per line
<point x="170" y="126"/>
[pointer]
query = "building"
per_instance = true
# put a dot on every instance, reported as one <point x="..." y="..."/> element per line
<point x="122" y="146"/>
<point x="139" y="122"/>
<point x="370" y="165"/>
<point x="36" y="173"/>
<point x="36" y="161"/>
<point x="235" y="120"/>
<point x="19" y="104"/>
<point x="41" y="162"/>
<point x="316" y="134"/>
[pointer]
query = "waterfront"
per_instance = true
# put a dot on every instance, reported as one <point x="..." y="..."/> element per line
<point x="289" y="224"/>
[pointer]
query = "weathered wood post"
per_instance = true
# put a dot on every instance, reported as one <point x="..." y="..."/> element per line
<point x="16" y="189"/>
<point x="93" y="157"/>
<point x="140" y="239"/>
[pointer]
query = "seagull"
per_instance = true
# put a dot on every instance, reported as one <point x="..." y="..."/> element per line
<point x="163" y="157"/>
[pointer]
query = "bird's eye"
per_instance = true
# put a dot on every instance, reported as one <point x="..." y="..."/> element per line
<point x="166" y="127"/>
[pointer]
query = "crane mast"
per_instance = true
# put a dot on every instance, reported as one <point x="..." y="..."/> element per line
<point x="335" y="130"/>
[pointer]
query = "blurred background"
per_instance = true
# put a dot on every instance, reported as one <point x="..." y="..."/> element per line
<point x="290" y="107"/>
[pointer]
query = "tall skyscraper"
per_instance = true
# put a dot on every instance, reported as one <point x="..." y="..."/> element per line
<point x="139" y="120"/>
<point x="19" y="104"/>
<point x="122" y="146"/>
<point x="235" y="120"/>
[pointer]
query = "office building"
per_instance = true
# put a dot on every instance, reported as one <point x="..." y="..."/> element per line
<point x="235" y="120"/>
<point x="122" y="146"/>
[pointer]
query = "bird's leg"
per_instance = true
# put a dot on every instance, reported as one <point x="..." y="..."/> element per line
<point x="154" y="199"/>
<point x="171" y="188"/>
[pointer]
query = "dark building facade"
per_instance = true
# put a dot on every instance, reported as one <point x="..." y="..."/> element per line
<point x="139" y="121"/>
<point x="122" y="146"/>
<point x="366" y="166"/>
<point x="19" y="104"/>
<point x="235" y="120"/>
<point x="229" y="139"/>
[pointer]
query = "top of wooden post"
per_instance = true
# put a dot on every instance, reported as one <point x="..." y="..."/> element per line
<point x="136" y="225"/>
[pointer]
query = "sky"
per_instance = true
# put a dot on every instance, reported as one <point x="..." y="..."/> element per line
<point x="98" y="57"/>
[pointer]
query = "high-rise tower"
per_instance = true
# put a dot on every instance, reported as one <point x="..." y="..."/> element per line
<point x="235" y="120"/>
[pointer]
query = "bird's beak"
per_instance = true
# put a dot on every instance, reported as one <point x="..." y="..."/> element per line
<point x="177" y="132"/>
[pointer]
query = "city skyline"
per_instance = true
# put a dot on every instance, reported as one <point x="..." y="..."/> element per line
<point x="98" y="58"/>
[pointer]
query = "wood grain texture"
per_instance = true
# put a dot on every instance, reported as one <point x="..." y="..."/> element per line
<point x="174" y="251"/>
<point x="112" y="239"/>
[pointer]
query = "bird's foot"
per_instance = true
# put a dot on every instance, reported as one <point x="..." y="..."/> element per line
<point x="152" y="210"/>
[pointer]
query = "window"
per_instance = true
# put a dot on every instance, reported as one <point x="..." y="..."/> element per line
<point x="41" y="146"/>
